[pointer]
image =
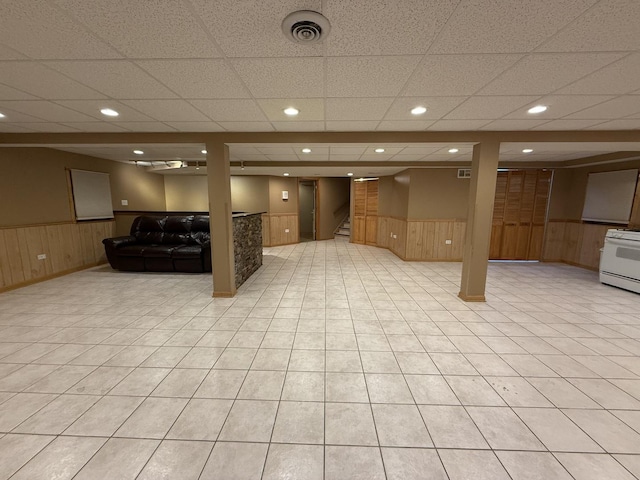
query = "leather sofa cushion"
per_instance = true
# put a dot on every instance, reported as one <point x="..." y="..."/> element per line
<point x="132" y="250"/>
<point x="159" y="251"/>
<point x="178" y="224"/>
<point x="187" y="251"/>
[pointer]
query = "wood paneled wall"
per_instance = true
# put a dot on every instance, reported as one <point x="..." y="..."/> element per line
<point x="422" y="240"/>
<point x="274" y="229"/>
<point x="575" y="243"/>
<point x="68" y="247"/>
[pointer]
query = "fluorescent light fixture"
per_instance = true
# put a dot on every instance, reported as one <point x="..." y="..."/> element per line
<point x="2" y="115"/>
<point x="306" y="150"/>
<point x="379" y="150"/>
<point x="453" y="150"/>
<point x="109" y="112"/>
<point x="418" y="110"/>
<point x="204" y="152"/>
<point x="286" y="174"/>
<point x="527" y="150"/>
<point x="291" y="111"/>
<point x="138" y="152"/>
<point x="537" y="109"/>
<point x="349" y="174"/>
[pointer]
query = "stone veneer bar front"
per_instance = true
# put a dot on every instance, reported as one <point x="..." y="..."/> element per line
<point x="247" y="244"/>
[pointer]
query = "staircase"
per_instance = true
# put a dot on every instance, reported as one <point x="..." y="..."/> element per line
<point x="343" y="232"/>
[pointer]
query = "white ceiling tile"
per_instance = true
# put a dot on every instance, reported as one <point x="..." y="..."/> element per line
<point x="339" y="150"/>
<point x="620" y="124"/>
<point x="445" y="157"/>
<point x="541" y="74"/>
<point x="414" y="157"/>
<point x="376" y="157"/>
<point x="562" y="124"/>
<point x="380" y="28"/>
<point x="45" y="110"/>
<point x="253" y="29"/>
<point x="622" y="106"/>
<point x="458" y="125"/>
<point x="513" y="124"/>
<point x="145" y="126"/>
<point x="618" y="77"/>
<point x="114" y="78"/>
<point x="350" y="126"/>
<point x="247" y="126"/>
<point x="43" y="82"/>
<point x="196" y="126"/>
<point x="283" y="158"/>
<point x="488" y="107"/>
<point x="241" y="150"/>
<point x="15" y="115"/>
<point x="197" y="78"/>
<point x="282" y="77"/>
<point x="421" y="150"/>
<point x="612" y="25"/>
<point x="14" y="128"/>
<point x="559" y="106"/>
<point x="343" y="158"/>
<point x="299" y="126"/>
<point x="441" y="75"/>
<point x="49" y="127"/>
<point x="93" y="107"/>
<point x="284" y="150"/>
<point x="402" y="125"/>
<point x="168" y="110"/>
<point x="311" y="109"/>
<point x="478" y="26"/>
<point x="49" y="33"/>
<point x="95" y="127"/>
<point x="8" y="93"/>
<point x="368" y="76"/>
<point x="149" y="29"/>
<point x="252" y="158"/>
<point x="239" y="110"/>
<point x="7" y="53"/>
<point x="357" y="108"/>
<point x="437" y="107"/>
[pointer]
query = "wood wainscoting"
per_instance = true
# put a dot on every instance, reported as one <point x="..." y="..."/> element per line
<point x="275" y="226"/>
<point x="68" y="246"/>
<point x="575" y="243"/>
<point x="422" y="240"/>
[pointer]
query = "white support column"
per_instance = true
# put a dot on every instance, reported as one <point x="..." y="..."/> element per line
<point x="484" y="173"/>
<point x="222" y="253"/>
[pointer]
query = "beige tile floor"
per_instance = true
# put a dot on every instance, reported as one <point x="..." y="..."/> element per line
<point x="334" y="361"/>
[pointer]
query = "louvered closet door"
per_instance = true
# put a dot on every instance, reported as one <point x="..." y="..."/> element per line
<point x="364" y="225"/>
<point x="519" y="214"/>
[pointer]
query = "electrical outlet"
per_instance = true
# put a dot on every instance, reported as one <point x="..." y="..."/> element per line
<point x="286" y="230"/>
<point x="391" y="235"/>
<point x="124" y="202"/>
<point x="42" y="256"/>
<point x="395" y="236"/>
<point x="447" y="242"/>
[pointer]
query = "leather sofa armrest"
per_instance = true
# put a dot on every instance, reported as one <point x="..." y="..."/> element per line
<point x="118" y="242"/>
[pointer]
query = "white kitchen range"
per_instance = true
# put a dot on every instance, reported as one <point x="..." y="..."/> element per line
<point x="620" y="259"/>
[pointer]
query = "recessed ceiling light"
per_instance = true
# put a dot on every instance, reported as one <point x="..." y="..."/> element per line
<point x="204" y="151"/>
<point x="138" y="152"/>
<point x="291" y="111"/>
<point x="418" y="110"/>
<point x="109" y="112"/>
<point x="306" y="150"/>
<point x="537" y="109"/>
<point x="379" y="150"/>
<point x="285" y="174"/>
<point x="2" y="115"/>
<point x="453" y="150"/>
<point x="527" y="150"/>
<point x="349" y="174"/>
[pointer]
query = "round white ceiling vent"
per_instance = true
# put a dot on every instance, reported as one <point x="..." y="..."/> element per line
<point x="305" y="26"/>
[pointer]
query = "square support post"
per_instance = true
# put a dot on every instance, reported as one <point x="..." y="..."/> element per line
<point x="482" y="191"/>
<point x="222" y="251"/>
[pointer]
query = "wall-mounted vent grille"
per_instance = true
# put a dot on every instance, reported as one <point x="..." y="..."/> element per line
<point x="464" y="173"/>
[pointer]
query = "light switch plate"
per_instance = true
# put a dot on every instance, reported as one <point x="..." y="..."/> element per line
<point x="124" y="202"/>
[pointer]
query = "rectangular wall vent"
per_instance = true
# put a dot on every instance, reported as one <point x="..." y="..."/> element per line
<point x="464" y="173"/>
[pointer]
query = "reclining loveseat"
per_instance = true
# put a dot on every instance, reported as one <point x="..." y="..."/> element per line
<point x="170" y="243"/>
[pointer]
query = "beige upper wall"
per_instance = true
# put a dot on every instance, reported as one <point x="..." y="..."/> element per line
<point x="570" y="188"/>
<point x="34" y="189"/>
<point x="437" y="193"/>
<point x="393" y="195"/>
<point x="250" y="194"/>
<point x="278" y="206"/>
<point x="186" y="193"/>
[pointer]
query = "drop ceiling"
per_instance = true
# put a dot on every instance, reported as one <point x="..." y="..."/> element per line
<point x="198" y="65"/>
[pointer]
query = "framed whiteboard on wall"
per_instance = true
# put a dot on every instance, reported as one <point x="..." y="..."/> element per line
<point x="91" y="195"/>
<point x="610" y="196"/>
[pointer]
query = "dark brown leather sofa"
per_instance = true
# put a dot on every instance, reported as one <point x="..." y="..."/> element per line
<point x="170" y="243"/>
